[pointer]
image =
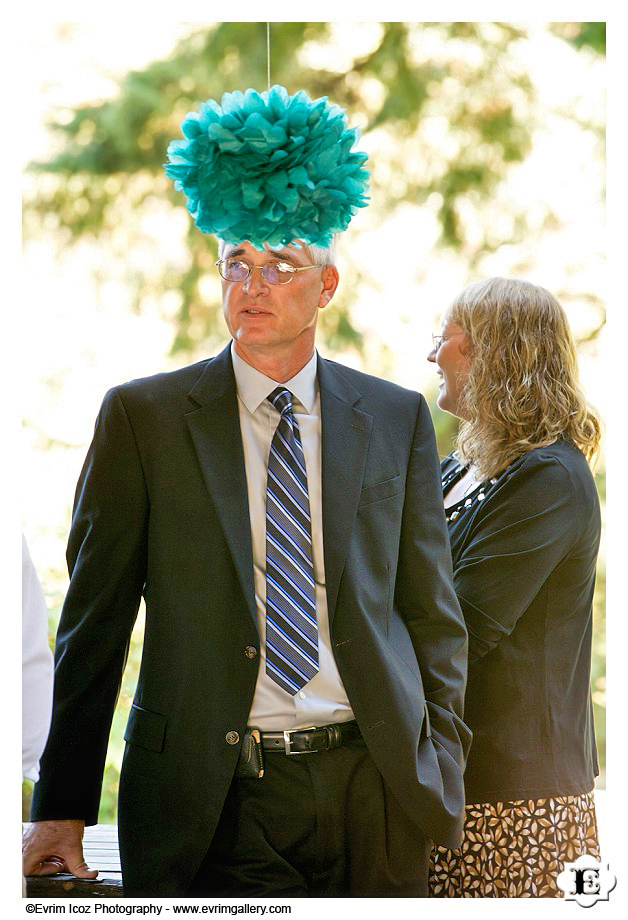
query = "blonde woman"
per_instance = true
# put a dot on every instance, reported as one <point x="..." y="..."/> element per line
<point x="524" y="524"/>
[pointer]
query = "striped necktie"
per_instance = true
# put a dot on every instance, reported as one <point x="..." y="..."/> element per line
<point x="291" y="628"/>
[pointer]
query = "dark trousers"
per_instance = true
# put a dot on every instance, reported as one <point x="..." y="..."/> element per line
<point x="316" y="825"/>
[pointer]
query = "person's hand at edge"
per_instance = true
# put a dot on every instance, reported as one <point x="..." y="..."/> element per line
<point x="49" y="847"/>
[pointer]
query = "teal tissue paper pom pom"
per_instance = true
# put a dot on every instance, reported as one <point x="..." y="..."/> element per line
<point x="269" y="168"/>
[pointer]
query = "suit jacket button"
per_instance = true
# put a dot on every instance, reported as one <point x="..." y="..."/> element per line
<point x="250" y="651"/>
<point x="232" y="737"/>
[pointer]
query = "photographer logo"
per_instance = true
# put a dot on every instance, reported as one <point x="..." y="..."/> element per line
<point x="586" y="881"/>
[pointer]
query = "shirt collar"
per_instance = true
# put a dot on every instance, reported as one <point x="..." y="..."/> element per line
<point x="253" y="387"/>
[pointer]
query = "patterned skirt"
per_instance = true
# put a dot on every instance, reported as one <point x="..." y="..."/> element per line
<point x="516" y="849"/>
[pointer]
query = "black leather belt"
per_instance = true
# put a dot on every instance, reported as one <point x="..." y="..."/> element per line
<point x="310" y="740"/>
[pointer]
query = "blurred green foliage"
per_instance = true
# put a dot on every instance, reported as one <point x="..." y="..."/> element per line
<point x="108" y="168"/>
<point x="583" y="34"/>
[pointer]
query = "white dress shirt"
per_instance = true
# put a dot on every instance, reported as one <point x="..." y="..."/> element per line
<point x="37" y="669"/>
<point x="323" y="699"/>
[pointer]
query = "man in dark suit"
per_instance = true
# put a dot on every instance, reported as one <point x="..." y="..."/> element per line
<point x="282" y="516"/>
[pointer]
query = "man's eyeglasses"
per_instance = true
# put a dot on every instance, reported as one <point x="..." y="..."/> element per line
<point x="439" y="339"/>
<point x="272" y="272"/>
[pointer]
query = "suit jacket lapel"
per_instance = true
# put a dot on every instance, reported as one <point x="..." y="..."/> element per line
<point x="215" y="429"/>
<point x="346" y="433"/>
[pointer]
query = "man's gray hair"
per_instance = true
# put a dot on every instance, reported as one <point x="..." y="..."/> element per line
<point x="323" y="255"/>
<point x="320" y="255"/>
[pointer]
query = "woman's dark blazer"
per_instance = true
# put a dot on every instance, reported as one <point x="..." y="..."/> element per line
<point x="524" y="563"/>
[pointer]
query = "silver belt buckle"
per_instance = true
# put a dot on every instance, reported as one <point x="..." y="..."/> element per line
<point x="287" y="740"/>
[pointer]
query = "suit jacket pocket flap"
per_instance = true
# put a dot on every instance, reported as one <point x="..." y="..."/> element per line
<point x="148" y="729"/>
<point x="380" y="490"/>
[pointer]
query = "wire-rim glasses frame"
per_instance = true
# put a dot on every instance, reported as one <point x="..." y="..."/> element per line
<point x="439" y="339"/>
<point x="235" y="270"/>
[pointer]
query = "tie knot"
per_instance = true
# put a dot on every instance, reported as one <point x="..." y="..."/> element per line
<point x="281" y="398"/>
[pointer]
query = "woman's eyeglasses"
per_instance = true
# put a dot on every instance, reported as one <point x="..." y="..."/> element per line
<point x="439" y="339"/>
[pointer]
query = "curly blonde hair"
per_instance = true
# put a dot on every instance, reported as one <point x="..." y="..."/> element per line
<point x="522" y="390"/>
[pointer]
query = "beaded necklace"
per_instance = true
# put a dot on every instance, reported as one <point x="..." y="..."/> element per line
<point x="478" y="493"/>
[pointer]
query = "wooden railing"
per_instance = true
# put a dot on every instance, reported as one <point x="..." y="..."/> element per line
<point x="100" y="845"/>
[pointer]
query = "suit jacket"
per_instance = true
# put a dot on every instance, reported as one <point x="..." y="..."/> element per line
<point x="524" y="559"/>
<point x="161" y="510"/>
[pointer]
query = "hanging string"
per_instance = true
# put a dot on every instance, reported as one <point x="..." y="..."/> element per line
<point x="268" y="54"/>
